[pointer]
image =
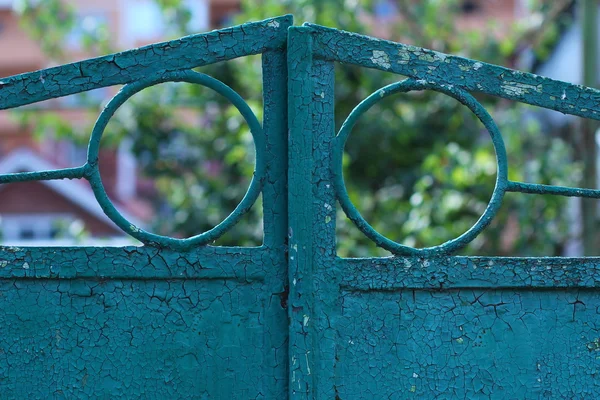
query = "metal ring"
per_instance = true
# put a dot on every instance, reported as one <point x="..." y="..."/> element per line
<point x="93" y="172"/>
<point x="501" y="173"/>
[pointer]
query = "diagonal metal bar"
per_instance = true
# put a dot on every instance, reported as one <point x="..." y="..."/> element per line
<point x="129" y="66"/>
<point x="476" y="76"/>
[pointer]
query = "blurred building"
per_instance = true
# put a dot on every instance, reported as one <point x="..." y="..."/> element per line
<point x="54" y="212"/>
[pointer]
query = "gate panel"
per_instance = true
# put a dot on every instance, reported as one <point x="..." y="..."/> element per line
<point x="173" y="318"/>
<point x="424" y="323"/>
<point x="477" y="343"/>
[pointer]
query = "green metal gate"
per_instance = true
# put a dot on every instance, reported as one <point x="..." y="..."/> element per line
<point x="181" y="319"/>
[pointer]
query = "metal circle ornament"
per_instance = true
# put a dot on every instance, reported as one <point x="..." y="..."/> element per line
<point x="93" y="172"/>
<point x="501" y="174"/>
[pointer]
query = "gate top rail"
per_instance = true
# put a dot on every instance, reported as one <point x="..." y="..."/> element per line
<point x="471" y="75"/>
<point x="128" y="66"/>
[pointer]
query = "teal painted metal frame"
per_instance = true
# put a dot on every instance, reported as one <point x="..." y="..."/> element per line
<point x="139" y="69"/>
<point x="453" y="76"/>
<point x="320" y="281"/>
<point x="427" y="69"/>
<point x="299" y="250"/>
<point x="252" y="280"/>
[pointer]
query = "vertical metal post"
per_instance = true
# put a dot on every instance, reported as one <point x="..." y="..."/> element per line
<point x="300" y="215"/>
<point x="588" y="127"/>
<point x="314" y="280"/>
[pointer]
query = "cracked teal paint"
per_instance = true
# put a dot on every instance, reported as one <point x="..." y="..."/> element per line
<point x="425" y="324"/>
<point x="174" y="318"/>
<point x="178" y="318"/>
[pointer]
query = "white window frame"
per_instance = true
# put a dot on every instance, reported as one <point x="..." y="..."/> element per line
<point x="42" y="225"/>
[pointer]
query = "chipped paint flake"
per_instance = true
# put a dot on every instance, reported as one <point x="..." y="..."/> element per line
<point x="307" y="363"/>
<point x="403" y="56"/>
<point x="381" y="58"/>
<point x="520" y="89"/>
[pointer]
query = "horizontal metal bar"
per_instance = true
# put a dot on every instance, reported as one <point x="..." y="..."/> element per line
<point x="536" y="188"/>
<point x="129" y="66"/>
<point x="472" y="75"/>
<point x="442" y="273"/>
<point x="141" y="263"/>
<point x="67" y="173"/>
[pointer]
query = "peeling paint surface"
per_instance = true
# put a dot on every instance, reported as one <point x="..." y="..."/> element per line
<point x="159" y="321"/>
<point x="381" y="58"/>
<point x="135" y="322"/>
<point x="290" y="319"/>
<point x="124" y="338"/>
<point x="423" y="323"/>
<point x="468" y="344"/>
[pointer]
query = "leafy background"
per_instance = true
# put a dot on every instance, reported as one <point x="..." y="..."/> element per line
<point x="418" y="166"/>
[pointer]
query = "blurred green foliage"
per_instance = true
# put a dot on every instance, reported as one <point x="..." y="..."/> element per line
<point x="419" y="166"/>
